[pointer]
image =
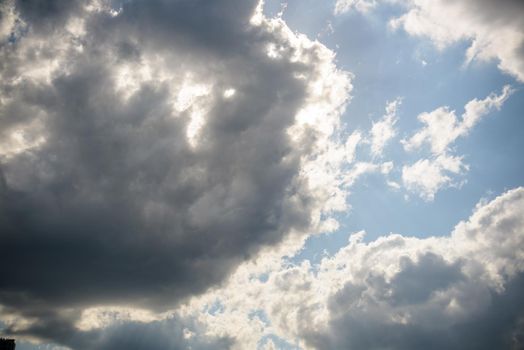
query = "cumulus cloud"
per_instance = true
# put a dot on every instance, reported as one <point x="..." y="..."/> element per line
<point x="437" y="292"/>
<point x="459" y="291"/>
<point x="148" y="148"/>
<point x="442" y="127"/>
<point x="493" y="28"/>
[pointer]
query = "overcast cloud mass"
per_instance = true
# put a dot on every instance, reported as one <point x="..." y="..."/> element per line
<point x="166" y="166"/>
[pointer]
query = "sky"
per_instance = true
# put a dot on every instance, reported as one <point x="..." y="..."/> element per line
<point x="244" y="174"/>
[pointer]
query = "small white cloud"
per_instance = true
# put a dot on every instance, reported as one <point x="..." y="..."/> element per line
<point x="427" y="176"/>
<point x="384" y="130"/>
<point x="363" y="6"/>
<point x="362" y="168"/>
<point x="394" y="185"/>
<point x="351" y="145"/>
<point x="441" y="128"/>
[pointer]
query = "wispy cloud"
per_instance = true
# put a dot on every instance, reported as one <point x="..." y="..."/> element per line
<point x="383" y="130"/>
<point x="441" y="128"/>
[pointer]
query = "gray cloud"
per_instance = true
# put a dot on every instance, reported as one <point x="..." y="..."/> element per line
<point x="416" y="282"/>
<point x="115" y="205"/>
<point x="155" y="335"/>
<point x="46" y="15"/>
<point x="498" y="12"/>
<point x="495" y="326"/>
<point x="171" y="333"/>
<point x="461" y="292"/>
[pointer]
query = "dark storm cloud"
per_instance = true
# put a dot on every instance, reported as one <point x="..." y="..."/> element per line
<point x="169" y="334"/>
<point x="46" y="14"/>
<point x="219" y="26"/>
<point x="116" y="206"/>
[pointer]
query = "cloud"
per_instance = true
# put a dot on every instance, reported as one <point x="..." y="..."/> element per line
<point x="130" y="175"/>
<point x="361" y="168"/>
<point x="427" y="176"/>
<point x="172" y="332"/>
<point x="493" y="28"/>
<point x="351" y="145"/>
<point x="343" y="6"/>
<point x="384" y="130"/>
<point x="423" y="296"/>
<point x="450" y="292"/>
<point x="167" y="334"/>
<point x="441" y="129"/>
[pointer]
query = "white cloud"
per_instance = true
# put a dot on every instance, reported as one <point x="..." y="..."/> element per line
<point x="361" y="168"/>
<point x="343" y="6"/>
<point x="441" y="128"/>
<point x="384" y="130"/>
<point x="495" y="29"/>
<point x="427" y="176"/>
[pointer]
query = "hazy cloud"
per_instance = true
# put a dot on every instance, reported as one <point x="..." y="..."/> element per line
<point x="442" y="127"/>
<point x="383" y="130"/>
